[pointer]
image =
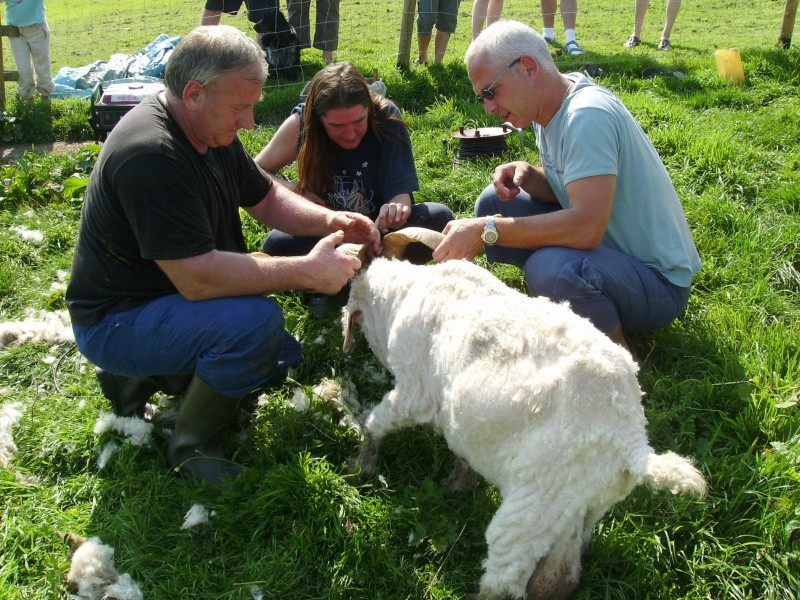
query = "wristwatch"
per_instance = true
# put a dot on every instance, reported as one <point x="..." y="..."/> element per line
<point x="490" y="235"/>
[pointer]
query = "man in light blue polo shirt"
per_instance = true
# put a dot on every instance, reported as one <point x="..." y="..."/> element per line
<point x="599" y="224"/>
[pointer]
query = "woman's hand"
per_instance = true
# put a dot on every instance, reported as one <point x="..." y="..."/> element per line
<point x="393" y="215"/>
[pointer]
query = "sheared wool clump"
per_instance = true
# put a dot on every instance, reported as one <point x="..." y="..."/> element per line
<point x="46" y="327"/>
<point x="137" y="431"/>
<point x="105" y="454"/>
<point x="92" y="572"/>
<point x="9" y="416"/>
<point x="124" y="588"/>
<point x="29" y="235"/>
<point x="342" y="396"/>
<point x="61" y="281"/>
<point x="299" y="400"/>
<point x="339" y="392"/>
<point x="197" y="515"/>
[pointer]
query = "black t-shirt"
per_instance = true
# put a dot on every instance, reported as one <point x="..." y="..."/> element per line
<point x="152" y="196"/>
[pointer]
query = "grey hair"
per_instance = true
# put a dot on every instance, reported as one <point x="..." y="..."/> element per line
<point x="505" y="41"/>
<point x="207" y="53"/>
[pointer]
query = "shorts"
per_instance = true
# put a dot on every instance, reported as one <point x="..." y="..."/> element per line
<point x="442" y="13"/>
<point x="255" y="8"/>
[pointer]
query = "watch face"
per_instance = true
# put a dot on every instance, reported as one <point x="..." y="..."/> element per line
<point x="489" y="236"/>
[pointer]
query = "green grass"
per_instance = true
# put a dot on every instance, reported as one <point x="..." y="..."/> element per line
<point x="721" y="382"/>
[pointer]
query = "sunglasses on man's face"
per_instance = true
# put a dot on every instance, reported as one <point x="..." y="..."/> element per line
<point x="488" y="93"/>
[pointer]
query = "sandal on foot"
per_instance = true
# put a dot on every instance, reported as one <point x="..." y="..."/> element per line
<point x="572" y="48"/>
<point x="632" y="42"/>
<point x="551" y="41"/>
<point x="664" y="45"/>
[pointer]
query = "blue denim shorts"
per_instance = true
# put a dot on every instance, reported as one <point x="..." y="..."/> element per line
<point x="255" y="8"/>
<point x="442" y="13"/>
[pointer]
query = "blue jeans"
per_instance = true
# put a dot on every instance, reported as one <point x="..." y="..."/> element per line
<point x="235" y="345"/>
<point x="606" y="286"/>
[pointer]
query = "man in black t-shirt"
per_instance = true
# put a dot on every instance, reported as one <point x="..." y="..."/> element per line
<point x="163" y="291"/>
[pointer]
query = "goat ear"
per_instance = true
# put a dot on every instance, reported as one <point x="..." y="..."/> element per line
<point x="348" y="325"/>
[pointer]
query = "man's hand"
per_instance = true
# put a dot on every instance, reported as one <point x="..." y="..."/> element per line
<point x="357" y="229"/>
<point x="462" y="240"/>
<point x="330" y="270"/>
<point x="393" y="215"/>
<point x="510" y="178"/>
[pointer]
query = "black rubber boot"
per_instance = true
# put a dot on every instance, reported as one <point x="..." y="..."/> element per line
<point x="128" y="395"/>
<point x="194" y="447"/>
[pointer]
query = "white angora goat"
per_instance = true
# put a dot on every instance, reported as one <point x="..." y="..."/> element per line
<point x="533" y="397"/>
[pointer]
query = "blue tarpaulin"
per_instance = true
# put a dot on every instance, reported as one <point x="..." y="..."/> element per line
<point x="147" y="64"/>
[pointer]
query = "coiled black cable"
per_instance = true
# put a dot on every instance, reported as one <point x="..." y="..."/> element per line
<point x="483" y="142"/>
<point x="469" y="148"/>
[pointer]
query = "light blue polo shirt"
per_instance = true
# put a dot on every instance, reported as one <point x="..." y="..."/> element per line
<point x="24" y="13"/>
<point x="593" y="133"/>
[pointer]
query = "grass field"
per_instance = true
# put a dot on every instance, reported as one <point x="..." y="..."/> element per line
<point x="722" y="382"/>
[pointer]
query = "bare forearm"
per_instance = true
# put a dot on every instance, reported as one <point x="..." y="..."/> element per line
<point x="223" y="274"/>
<point x="561" y="228"/>
<point x="285" y="210"/>
<point x="218" y="274"/>
<point x="582" y="225"/>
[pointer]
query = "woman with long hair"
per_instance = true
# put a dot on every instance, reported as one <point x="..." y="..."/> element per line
<point x="353" y="153"/>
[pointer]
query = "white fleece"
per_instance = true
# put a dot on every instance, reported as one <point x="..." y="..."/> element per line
<point x="536" y="399"/>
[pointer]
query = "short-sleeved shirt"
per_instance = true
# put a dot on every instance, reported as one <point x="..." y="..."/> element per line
<point x="152" y="196"/>
<point x="370" y="175"/>
<point x="24" y="13"/>
<point x="593" y="133"/>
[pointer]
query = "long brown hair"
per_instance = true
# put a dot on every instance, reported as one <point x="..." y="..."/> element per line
<point x="338" y="85"/>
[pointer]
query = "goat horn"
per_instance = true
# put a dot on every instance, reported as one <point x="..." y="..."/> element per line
<point x="395" y="243"/>
<point x="357" y="250"/>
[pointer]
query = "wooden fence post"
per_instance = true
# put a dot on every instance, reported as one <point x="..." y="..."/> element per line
<point x="406" y="31"/>
<point x="789" y="13"/>
<point x="6" y="31"/>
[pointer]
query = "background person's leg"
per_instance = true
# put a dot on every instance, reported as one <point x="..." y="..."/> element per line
<point x="39" y="42"/>
<point x="298" y="17"/>
<point x="426" y="17"/>
<point x="22" y="59"/>
<point x="278" y="243"/>
<point x="326" y="32"/>
<point x="673" y="6"/>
